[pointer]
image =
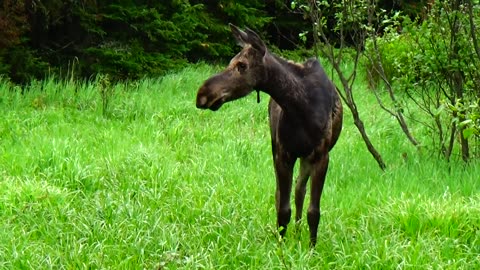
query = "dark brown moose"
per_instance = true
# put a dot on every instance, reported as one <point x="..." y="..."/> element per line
<point x="305" y="115"/>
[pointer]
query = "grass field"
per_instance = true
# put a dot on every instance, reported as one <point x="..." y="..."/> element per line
<point x="152" y="182"/>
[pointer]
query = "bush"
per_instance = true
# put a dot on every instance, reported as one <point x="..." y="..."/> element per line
<point x="435" y="64"/>
<point x="395" y="53"/>
<point x="22" y="64"/>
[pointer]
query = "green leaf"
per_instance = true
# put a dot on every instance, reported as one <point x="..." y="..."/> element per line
<point x="468" y="132"/>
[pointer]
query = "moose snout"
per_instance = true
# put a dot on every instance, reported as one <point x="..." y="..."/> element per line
<point x="202" y="99"/>
<point x="202" y="102"/>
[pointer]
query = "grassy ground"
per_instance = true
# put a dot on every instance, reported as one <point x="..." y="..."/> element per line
<point x="152" y="182"/>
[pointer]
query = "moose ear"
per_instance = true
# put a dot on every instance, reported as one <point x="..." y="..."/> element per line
<point x="240" y="36"/>
<point x="248" y="37"/>
<point x="256" y="42"/>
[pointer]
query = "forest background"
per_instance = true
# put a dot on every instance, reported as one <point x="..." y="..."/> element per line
<point x="132" y="39"/>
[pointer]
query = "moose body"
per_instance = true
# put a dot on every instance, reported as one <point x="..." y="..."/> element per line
<point x="305" y="114"/>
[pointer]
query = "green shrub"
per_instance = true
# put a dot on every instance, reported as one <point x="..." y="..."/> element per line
<point x="22" y="64"/>
<point x="395" y="52"/>
<point x="435" y="64"/>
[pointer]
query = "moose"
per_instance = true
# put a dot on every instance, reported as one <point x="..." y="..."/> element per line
<point x="305" y="116"/>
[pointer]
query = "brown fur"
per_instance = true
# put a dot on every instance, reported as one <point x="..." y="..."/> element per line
<point x="305" y="114"/>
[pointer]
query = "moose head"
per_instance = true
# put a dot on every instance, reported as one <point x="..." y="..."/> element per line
<point x="244" y="72"/>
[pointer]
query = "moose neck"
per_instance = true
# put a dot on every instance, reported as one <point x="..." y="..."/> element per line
<point x="282" y="82"/>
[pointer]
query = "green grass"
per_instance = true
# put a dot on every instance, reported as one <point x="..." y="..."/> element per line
<point x="153" y="182"/>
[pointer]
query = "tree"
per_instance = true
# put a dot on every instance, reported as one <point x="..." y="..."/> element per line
<point x="449" y="83"/>
<point x="432" y="61"/>
<point x="436" y="64"/>
<point x="127" y="39"/>
<point x="350" y="31"/>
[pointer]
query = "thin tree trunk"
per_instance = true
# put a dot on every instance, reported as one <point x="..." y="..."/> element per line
<point x="348" y="99"/>
<point x="347" y="83"/>
<point x="458" y="81"/>
<point x="473" y="29"/>
<point x="378" y="67"/>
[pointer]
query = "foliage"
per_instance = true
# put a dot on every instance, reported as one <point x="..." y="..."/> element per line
<point x="393" y="48"/>
<point x="13" y="25"/>
<point x="126" y="39"/>
<point x="448" y="65"/>
<point x="25" y="64"/>
<point x="467" y="117"/>
<point x="134" y="38"/>
<point x="413" y="9"/>
<point x="435" y="63"/>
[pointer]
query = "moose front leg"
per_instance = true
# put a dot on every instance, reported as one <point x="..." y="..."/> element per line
<point x="283" y="172"/>
<point x="319" y="171"/>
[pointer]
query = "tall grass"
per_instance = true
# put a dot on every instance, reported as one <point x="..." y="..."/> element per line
<point x="151" y="182"/>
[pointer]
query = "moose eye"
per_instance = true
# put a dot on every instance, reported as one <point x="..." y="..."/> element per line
<point x="241" y="66"/>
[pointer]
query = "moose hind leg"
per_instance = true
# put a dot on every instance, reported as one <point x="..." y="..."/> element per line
<point x="283" y="172"/>
<point x="319" y="172"/>
<point x="301" y="188"/>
